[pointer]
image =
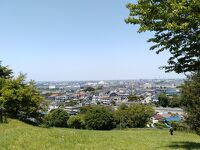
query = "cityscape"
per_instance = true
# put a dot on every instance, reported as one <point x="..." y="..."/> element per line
<point x="71" y="96"/>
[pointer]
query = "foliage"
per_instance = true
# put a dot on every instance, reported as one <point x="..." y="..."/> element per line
<point x="133" y="98"/>
<point x="122" y="118"/>
<point x="85" y="109"/>
<point x="135" y="116"/>
<point x="176" y="28"/>
<point x="179" y="126"/>
<point x="190" y="99"/>
<point x="56" y="118"/>
<point x="123" y="106"/>
<point x="99" y="118"/>
<point x="113" y="103"/>
<point x="159" y="125"/>
<point x="71" y="103"/>
<point x="89" y="89"/>
<point x="5" y="72"/>
<point x="19" y="98"/>
<point x="169" y="101"/>
<point x="163" y="100"/>
<point x="76" y="122"/>
<point x="99" y="87"/>
<point x="175" y="101"/>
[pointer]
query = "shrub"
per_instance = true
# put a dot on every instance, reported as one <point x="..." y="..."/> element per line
<point x="159" y="125"/>
<point x="179" y="126"/>
<point x="135" y="116"/>
<point x="76" y="122"/>
<point x="99" y="118"/>
<point x="57" y="118"/>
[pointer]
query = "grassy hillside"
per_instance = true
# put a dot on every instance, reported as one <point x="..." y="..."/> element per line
<point x="19" y="136"/>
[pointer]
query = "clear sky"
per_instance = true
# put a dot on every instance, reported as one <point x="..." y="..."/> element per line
<point x="75" y="40"/>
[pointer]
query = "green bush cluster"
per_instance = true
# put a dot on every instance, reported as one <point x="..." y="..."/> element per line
<point x="76" y="122"/>
<point x="134" y="116"/>
<point x="179" y="126"/>
<point x="56" y="118"/>
<point x="101" y="118"/>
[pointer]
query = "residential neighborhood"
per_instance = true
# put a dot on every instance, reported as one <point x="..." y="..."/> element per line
<point x="71" y="96"/>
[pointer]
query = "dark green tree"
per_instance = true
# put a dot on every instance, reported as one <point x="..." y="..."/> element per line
<point x="175" y="101"/>
<point x="133" y="98"/>
<point x="163" y="100"/>
<point x="121" y="116"/>
<point x="99" y="118"/>
<point x="76" y="122"/>
<point x="57" y="118"/>
<point x="176" y="28"/>
<point x="89" y="89"/>
<point x="5" y="72"/>
<point x="190" y="99"/>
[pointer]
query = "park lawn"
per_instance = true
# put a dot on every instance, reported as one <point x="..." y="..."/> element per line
<point x="20" y="136"/>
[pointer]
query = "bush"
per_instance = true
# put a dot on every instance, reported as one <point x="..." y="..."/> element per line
<point x="135" y="116"/>
<point x="179" y="126"/>
<point x="76" y="122"/>
<point x="56" y="118"/>
<point x="99" y="118"/>
<point x="159" y="125"/>
<point x="198" y="131"/>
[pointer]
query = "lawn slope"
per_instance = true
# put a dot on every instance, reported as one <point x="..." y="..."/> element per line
<point x="19" y="136"/>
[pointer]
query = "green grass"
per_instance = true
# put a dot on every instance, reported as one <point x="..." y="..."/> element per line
<point x="19" y="136"/>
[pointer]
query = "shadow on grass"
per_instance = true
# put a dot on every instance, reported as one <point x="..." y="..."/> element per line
<point x="184" y="145"/>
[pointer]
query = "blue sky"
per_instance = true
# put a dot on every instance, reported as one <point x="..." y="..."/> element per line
<point x="75" y="40"/>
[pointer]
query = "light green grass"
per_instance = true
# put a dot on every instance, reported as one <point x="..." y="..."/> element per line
<point x="19" y="136"/>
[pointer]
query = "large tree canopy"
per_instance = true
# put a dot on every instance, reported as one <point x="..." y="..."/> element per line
<point x="18" y="98"/>
<point x="176" y="24"/>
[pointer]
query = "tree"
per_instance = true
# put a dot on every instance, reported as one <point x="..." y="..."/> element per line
<point x="190" y="99"/>
<point x="135" y="116"/>
<point x="99" y="118"/>
<point x="123" y="106"/>
<point x="175" y="101"/>
<point x="20" y="99"/>
<point x="163" y="100"/>
<point x="76" y="122"/>
<point x="132" y="98"/>
<point x="57" y="118"/>
<point x="5" y="72"/>
<point x="89" y="89"/>
<point x="176" y="28"/>
<point x="121" y="116"/>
